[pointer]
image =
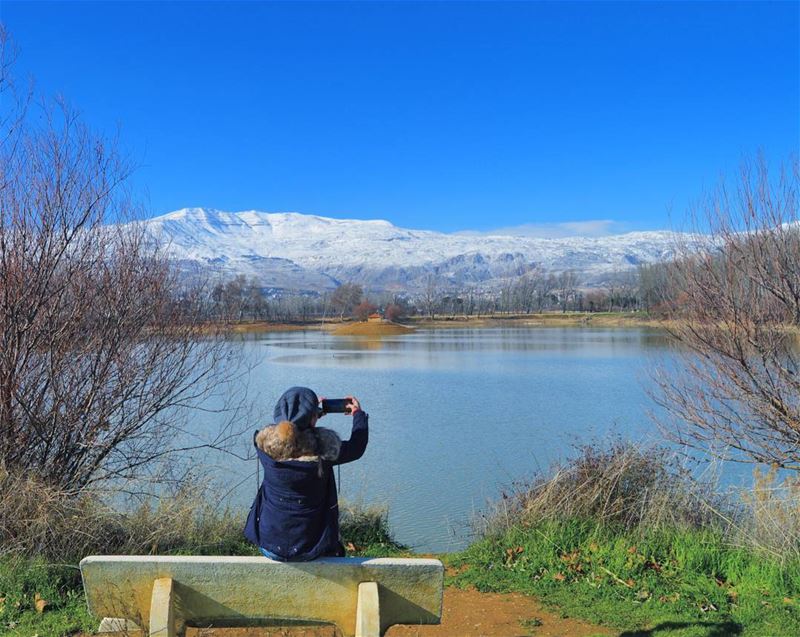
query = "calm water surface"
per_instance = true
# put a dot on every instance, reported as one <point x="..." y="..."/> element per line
<point x="457" y="415"/>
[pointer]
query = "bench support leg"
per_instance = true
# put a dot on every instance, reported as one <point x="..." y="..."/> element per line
<point x="162" y="620"/>
<point x="368" y="616"/>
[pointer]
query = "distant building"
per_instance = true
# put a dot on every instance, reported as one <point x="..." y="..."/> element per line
<point x="374" y="317"/>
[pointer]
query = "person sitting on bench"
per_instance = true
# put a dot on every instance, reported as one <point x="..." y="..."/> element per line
<point x="295" y="515"/>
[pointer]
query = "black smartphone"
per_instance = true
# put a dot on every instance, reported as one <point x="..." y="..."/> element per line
<point x="336" y="406"/>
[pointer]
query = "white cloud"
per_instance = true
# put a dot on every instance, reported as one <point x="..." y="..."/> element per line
<point x="590" y="228"/>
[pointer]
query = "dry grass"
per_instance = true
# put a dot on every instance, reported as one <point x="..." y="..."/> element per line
<point x="773" y="522"/>
<point x="545" y="319"/>
<point x="38" y="520"/>
<point x="258" y="327"/>
<point x="382" y="328"/>
<point x="622" y="484"/>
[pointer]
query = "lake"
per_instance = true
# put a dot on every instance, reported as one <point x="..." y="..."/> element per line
<point x="456" y="415"/>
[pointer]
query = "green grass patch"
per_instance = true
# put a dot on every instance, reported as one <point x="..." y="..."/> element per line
<point x="365" y="532"/>
<point x="682" y="583"/>
<point x="41" y="598"/>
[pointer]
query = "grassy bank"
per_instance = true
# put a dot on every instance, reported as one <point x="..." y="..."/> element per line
<point x="687" y="583"/>
<point x="627" y="538"/>
<point x="543" y="319"/>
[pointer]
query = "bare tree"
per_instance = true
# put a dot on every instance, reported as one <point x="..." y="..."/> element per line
<point x="736" y="318"/>
<point x="346" y="297"/>
<point x="394" y="312"/>
<point x="255" y="302"/>
<point x="597" y="300"/>
<point x="545" y="285"/>
<point x="100" y="343"/>
<point x="430" y="296"/>
<point x="568" y="288"/>
<point x="623" y="290"/>
<point x="653" y="286"/>
<point x="362" y="311"/>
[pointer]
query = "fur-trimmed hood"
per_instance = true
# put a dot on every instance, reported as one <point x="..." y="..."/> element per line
<point x="285" y="441"/>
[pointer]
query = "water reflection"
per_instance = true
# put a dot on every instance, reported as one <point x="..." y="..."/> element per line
<point x="485" y="338"/>
<point x="437" y="347"/>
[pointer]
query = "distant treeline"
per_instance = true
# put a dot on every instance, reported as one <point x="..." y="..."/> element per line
<point x="247" y="299"/>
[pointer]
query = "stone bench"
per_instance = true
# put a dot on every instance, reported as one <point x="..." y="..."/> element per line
<point x="362" y="597"/>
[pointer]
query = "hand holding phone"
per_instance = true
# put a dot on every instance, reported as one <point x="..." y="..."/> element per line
<point x="347" y="406"/>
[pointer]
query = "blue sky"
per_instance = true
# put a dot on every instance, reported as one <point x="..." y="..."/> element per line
<point x="560" y="117"/>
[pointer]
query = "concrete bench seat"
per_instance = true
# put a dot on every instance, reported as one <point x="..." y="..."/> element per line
<point x="362" y="597"/>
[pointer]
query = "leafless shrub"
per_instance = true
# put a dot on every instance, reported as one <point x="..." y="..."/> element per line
<point x="363" y="310"/>
<point x="394" y="312"/>
<point x="736" y="314"/>
<point x="100" y="344"/>
<point x="636" y="487"/>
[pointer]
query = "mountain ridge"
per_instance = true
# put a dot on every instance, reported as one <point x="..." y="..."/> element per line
<point x="292" y="250"/>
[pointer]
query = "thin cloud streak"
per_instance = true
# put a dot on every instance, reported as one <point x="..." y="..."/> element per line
<point x="561" y="230"/>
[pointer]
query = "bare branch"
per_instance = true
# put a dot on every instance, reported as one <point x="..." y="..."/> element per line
<point x="736" y="317"/>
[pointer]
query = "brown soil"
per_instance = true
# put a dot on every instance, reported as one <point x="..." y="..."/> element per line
<point x="382" y="328"/>
<point x="276" y="631"/>
<point x="467" y="613"/>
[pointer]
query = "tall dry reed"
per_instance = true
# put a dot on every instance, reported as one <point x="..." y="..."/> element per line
<point x="38" y="520"/>
<point x="624" y="484"/>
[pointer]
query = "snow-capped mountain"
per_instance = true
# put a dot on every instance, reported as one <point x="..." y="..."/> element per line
<point x="307" y="252"/>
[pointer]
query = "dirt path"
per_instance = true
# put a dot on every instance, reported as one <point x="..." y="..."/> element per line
<point x="467" y="613"/>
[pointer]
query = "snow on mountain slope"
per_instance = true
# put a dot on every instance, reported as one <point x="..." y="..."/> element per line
<point x="308" y="252"/>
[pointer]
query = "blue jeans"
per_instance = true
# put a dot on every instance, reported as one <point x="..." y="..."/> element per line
<point x="278" y="558"/>
<point x="271" y="555"/>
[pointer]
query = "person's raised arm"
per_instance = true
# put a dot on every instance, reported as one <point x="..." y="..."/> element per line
<point x="354" y="448"/>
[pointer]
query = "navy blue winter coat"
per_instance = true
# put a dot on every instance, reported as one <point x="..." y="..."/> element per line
<point x="295" y="514"/>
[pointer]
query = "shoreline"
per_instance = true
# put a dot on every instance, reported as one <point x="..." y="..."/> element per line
<point x="546" y="319"/>
<point x="360" y="328"/>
